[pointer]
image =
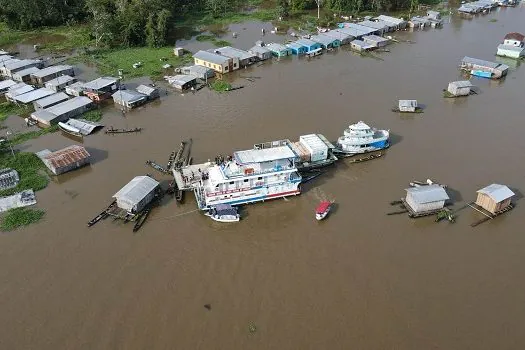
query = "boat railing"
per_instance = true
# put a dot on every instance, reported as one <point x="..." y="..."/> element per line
<point x="272" y="144"/>
<point x="247" y="171"/>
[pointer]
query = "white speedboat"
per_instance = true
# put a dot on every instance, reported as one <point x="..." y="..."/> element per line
<point x="360" y="138"/>
<point x="223" y="213"/>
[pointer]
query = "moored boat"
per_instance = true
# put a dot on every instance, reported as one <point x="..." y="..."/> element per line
<point x="69" y="129"/>
<point x="322" y="210"/>
<point x="361" y="138"/>
<point x="223" y="213"/>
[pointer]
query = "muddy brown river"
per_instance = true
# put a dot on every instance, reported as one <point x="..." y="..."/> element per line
<point x="278" y="279"/>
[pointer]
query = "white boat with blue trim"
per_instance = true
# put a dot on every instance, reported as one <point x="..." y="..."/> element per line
<point x="249" y="176"/>
<point x="361" y="138"/>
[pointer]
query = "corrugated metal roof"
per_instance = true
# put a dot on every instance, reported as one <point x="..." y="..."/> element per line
<point x="306" y="42"/>
<point x="375" y="38"/>
<point x="295" y="45"/>
<point x="259" y="49"/>
<point x="5" y="84"/>
<point x="461" y="83"/>
<point x="60" y="80"/>
<point x="145" y="89"/>
<point x="43" y="115"/>
<point x="19" y="90"/>
<point x="515" y="36"/>
<point x="497" y="192"/>
<point x="338" y="35"/>
<point x="52" y="99"/>
<point x="371" y="24"/>
<point x="264" y="155"/>
<point x="34" y="95"/>
<point x="100" y="83"/>
<point x="5" y="58"/>
<point x="323" y="39"/>
<point x="136" y="189"/>
<point x="20" y="63"/>
<point x="277" y="47"/>
<point x="27" y="71"/>
<point x="361" y="44"/>
<point x="352" y="31"/>
<point x="479" y="62"/>
<point x="69" y="105"/>
<point x="394" y="20"/>
<point x="128" y="96"/>
<point x="52" y="70"/>
<point x="210" y="57"/>
<point x="407" y="103"/>
<point x="67" y="156"/>
<point x="229" y="51"/>
<point x="181" y="79"/>
<point x="428" y="194"/>
<point x="365" y="29"/>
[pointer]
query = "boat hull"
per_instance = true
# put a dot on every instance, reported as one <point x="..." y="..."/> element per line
<point x="375" y="146"/>
<point x="246" y="197"/>
<point x="223" y="218"/>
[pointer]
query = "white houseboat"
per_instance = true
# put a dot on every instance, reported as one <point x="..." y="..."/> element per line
<point x="245" y="177"/>
<point x="360" y="138"/>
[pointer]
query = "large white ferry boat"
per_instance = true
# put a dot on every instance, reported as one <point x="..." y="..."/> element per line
<point x="245" y="177"/>
<point x="360" y="138"/>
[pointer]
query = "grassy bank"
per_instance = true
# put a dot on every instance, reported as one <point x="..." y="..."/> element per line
<point x="19" y="217"/>
<point x="30" y="169"/>
<point x="7" y="109"/>
<point x="109" y="62"/>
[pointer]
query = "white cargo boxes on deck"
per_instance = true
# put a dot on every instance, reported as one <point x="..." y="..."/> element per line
<point x="317" y="147"/>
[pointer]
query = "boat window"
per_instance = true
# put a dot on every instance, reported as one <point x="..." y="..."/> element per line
<point x="246" y="180"/>
<point x="231" y="182"/>
<point x="259" y="178"/>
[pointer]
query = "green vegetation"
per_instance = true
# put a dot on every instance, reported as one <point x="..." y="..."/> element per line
<point x="92" y="116"/>
<point x="17" y="139"/>
<point x="493" y="20"/>
<point x="7" y="109"/>
<point x="19" y="217"/>
<point x="216" y="41"/>
<point x="220" y="86"/>
<point x="30" y="169"/>
<point x="110" y="61"/>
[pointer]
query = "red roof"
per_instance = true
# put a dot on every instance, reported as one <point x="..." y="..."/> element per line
<point x="515" y="36"/>
<point x="323" y="206"/>
<point x="67" y="156"/>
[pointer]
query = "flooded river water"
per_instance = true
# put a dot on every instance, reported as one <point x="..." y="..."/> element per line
<point x="279" y="279"/>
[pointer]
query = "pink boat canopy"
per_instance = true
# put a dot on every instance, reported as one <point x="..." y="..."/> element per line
<point x="323" y="207"/>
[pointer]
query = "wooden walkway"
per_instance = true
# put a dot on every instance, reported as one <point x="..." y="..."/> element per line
<point x="488" y="215"/>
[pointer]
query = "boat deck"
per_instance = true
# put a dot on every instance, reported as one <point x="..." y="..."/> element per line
<point x="189" y="177"/>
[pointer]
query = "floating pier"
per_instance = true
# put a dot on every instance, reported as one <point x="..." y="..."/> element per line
<point x="488" y="215"/>
<point x="157" y="167"/>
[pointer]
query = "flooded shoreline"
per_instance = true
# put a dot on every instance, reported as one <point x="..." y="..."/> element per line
<point x="361" y="279"/>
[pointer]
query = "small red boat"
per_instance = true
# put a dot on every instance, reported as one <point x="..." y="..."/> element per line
<point x="322" y="210"/>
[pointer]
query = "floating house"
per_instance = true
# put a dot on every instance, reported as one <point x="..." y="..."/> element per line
<point x="60" y="83"/>
<point x="434" y="23"/>
<point x="199" y="72"/>
<point x="459" y="88"/>
<point x="364" y="29"/>
<point x="261" y="52"/>
<point x="62" y="111"/>
<point x="33" y="95"/>
<point x="50" y="101"/>
<point x="326" y="42"/>
<point x="427" y="199"/>
<point x="344" y="38"/>
<point x="379" y="26"/>
<point x="150" y="92"/>
<point x="484" y="68"/>
<point x="66" y="159"/>
<point x="16" y="65"/>
<point x="244" y="58"/>
<point x="418" y="22"/>
<point x="49" y="73"/>
<point x="183" y="82"/>
<point x="8" y="179"/>
<point x="129" y="98"/>
<point x="407" y="106"/>
<point x="494" y="198"/>
<point x="5" y="85"/>
<point x="376" y="41"/>
<point x="75" y="89"/>
<point x="309" y="45"/>
<point x="178" y="51"/>
<point x="218" y="63"/>
<point x="101" y="88"/>
<point x="18" y="89"/>
<point x="360" y="45"/>
<point x="279" y="50"/>
<point x="397" y="23"/>
<point x="297" y="49"/>
<point x="137" y="194"/>
<point x="513" y="46"/>
<point x="25" y="74"/>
